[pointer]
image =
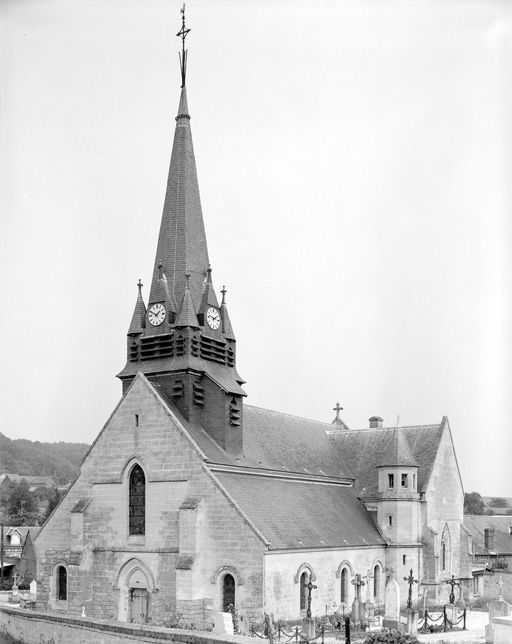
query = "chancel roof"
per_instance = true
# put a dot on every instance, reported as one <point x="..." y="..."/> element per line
<point x="364" y="449"/>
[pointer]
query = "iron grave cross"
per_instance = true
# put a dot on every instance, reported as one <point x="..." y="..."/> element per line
<point x="452" y="583"/>
<point x="310" y="587"/>
<point x="411" y="581"/>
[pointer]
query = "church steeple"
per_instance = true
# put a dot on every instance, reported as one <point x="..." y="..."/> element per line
<point x="184" y="342"/>
<point x="138" y="323"/>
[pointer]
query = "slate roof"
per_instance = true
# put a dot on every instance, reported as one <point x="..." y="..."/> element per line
<point x="396" y="450"/>
<point x="363" y="448"/>
<point x="299" y="514"/>
<point x="23" y="530"/>
<point x="475" y="524"/>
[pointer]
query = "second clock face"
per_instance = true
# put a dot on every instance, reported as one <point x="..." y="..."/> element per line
<point x="156" y="314"/>
<point x="213" y="318"/>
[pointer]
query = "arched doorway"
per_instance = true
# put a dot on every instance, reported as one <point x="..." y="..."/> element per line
<point x="228" y="592"/>
<point x="138" y="597"/>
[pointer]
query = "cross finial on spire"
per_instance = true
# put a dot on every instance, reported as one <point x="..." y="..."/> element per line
<point x="182" y="33"/>
<point x="140" y="285"/>
<point x="223" y="294"/>
<point x="337" y="409"/>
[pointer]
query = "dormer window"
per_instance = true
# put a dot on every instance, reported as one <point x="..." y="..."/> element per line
<point x="391" y="480"/>
<point x="405" y="482"/>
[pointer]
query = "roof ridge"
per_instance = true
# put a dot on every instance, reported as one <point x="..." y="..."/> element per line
<point x="285" y="413"/>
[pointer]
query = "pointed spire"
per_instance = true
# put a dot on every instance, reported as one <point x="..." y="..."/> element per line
<point x="182" y="241"/>
<point x="397" y="451"/>
<point x="227" y="329"/>
<point x="209" y="297"/>
<point x="138" y="323"/>
<point x="187" y="314"/>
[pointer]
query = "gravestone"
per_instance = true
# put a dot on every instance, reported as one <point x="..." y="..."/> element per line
<point x="33" y="587"/>
<point x="392" y="603"/>
<point x="223" y="624"/>
<point x="497" y="608"/>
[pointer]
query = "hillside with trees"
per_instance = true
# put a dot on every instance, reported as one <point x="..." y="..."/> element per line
<point x="33" y="458"/>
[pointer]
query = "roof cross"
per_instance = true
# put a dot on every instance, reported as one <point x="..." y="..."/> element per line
<point x="223" y="294"/>
<point x="140" y="285"/>
<point x="337" y="409"/>
<point x="182" y="33"/>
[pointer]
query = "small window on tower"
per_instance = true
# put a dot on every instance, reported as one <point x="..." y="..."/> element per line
<point x="414" y="481"/>
<point x="391" y="480"/>
<point x="404" y="480"/>
<point x="404" y="559"/>
<point x="136" y="420"/>
<point x="390" y="519"/>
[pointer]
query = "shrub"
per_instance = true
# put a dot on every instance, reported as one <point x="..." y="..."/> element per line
<point x="391" y="636"/>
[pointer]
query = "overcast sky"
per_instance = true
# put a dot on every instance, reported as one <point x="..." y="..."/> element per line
<point x="354" y="162"/>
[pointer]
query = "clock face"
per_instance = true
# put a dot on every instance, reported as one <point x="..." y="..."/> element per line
<point x="156" y="314"/>
<point x="213" y="318"/>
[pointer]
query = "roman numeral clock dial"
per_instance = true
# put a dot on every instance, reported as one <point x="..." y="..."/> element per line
<point x="213" y="318"/>
<point x="156" y="314"/>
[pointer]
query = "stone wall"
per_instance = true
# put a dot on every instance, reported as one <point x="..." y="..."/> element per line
<point x="32" y="627"/>
<point x="184" y="571"/>
<point x="443" y="513"/>
<point x="283" y="570"/>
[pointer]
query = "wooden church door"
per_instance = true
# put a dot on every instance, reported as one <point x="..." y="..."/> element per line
<point x="138" y="605"/>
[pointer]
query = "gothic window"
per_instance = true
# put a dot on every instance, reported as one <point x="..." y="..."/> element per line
<point x="137" y="501"/>
<point x="228" y="592"/>
<point x="62" y="583"/>
<point x="376" y="582"/>
<point x="304" y="581"/>
<point x="404" y="480"/>
<point x="344" y="586"/>
<point x="445" y="549"/>
<point x="391" y="480"/>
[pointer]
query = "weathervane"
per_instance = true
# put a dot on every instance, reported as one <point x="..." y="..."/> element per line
<point x="182" y="33"/>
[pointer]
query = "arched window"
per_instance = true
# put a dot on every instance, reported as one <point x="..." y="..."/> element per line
<point x="137" y="501"/>
<point x="228" y="592"/>
<point x="304" y="581"/>
<point x="445" y="549"/>
<point x="344" y="586"/>
<point x="62" y="583"/>
<point x="376" y="583"/>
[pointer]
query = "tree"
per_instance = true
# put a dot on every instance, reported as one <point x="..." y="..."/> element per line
<point x="473" y="503"/>
<point x="53" y="502"/>
<point x="20" y="505"/>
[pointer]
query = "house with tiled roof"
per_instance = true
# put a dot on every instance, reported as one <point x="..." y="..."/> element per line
<point x="190" y="501"/>
<point x="489" y="544"/>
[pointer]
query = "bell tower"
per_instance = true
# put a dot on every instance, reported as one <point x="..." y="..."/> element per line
<point x="183" y="341"/>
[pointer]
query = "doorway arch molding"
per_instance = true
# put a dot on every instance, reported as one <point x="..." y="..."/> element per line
<point x="128" y="569"/>
<point x="226" y="569"/>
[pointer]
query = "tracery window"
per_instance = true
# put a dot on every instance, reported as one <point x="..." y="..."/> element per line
<point x="62" y="583"/>
<point x="137" y="501"/>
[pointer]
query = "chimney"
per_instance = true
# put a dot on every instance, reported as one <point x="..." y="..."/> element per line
<point x="375" y="421"/>
<point x="489" y="538"/>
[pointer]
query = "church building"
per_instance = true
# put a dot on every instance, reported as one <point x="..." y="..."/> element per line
<point x="190" y="500"/>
